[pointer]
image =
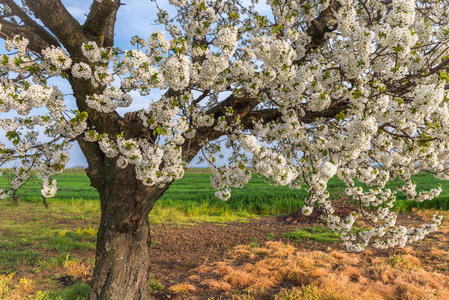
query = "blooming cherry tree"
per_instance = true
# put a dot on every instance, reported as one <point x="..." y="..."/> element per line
<point x="16" y="178"/>
<point x="315" y="89"/>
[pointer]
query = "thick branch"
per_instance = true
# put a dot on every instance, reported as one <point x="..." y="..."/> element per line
<point x="99" y="25"/>
<point x="36" y="42"/>
<point x="60" y="22"/>
<point x="318" y="29"/>
<point x="242" y="106"/>
<point x="238" y="104"/>
<point x="38" y="37"/>
<point x="110" y="30"/>
<point x="270" y="115"/>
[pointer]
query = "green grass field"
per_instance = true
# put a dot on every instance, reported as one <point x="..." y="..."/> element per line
<point x="193" y="197"/>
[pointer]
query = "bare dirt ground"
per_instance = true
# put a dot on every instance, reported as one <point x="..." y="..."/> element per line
<point x="178" y="249"/>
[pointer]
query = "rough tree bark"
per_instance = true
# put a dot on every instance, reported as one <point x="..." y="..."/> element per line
<point x="122" y="265"/>
<point x="122" y="260"/>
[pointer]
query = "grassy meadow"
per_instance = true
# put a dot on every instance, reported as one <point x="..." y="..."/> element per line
<point x="40" y="246"/>
<point x="192" y="196"/>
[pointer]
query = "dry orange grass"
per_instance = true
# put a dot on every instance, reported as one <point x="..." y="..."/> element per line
<point x="242" y="251"/>
<point x="438" y="253"/>
<point x="222" y="268"/>
<point x="194" y="277"/>
<point x="78" y="270"/>
<point x="251" y="272"/>
<point x="182" y="288"/>
<point x="216" y="285"/>
<point x="279" y="249"/>
<point x="237" y="278"/>
<point x="334" y="275"/>
<point x="13" y="289"/>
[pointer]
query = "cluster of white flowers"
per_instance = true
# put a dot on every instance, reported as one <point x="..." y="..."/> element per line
<point x="108" y="147"/>
<point x="3" y="194"/>
<point x="275" y="53"/>
<point x="142" y="74"/>
<point x="109" y="100"/>
<point x="21" y="96"/>
<point x="82" y="70"/>
<point x="91" y="51"/>
<point x="402" y="13"/>
<point x="16" y="177"/>
<point x="17" y="42"/>
<point x="157" y="41"/>
<point x="154" y="164"/>
<point x="178" y="2"/>
<point x="102" y="76"/>
<point x="177" y="71"/>
<point x="223" y="179"/>
<point x="49" y="188"/>
<point x="227" y="40"/>
<point x="203" y="120"/>
<point x="161" y="165"/>
<point x="223" y="194"/>
<point x="56" y="60"/>
<point x="58" y="160"/>
<point x="161" y="113"/>
<point x="211" y="70"/>
<point x="274" y="165"/>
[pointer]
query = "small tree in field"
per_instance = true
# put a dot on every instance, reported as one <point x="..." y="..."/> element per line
<point x="314" y="89"/>
<point x="16" y="178"/>
<point x="28" y="168"/>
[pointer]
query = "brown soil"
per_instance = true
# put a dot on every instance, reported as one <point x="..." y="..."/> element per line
<point x="177" y="249"/>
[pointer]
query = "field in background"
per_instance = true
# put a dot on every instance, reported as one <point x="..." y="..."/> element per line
<point x="192" y="196"/>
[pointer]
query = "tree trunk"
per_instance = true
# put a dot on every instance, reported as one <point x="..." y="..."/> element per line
<point x="14" y="197"/>
<point x="122" y="260"/>
<point x="44" y="201"/>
